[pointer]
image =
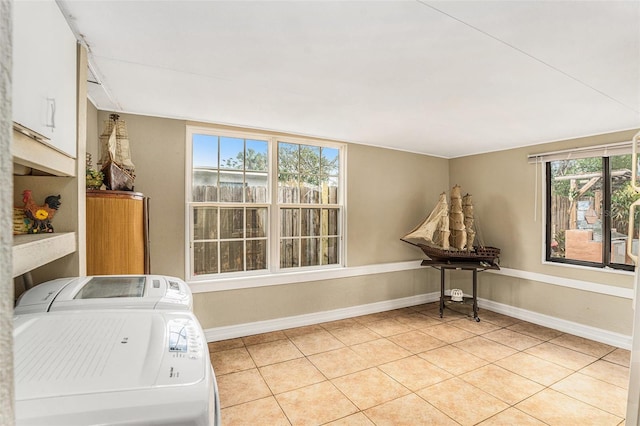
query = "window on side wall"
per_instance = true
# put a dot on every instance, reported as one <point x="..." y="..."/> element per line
<point x="258" y="204"/>
<point x="588" y="202"/>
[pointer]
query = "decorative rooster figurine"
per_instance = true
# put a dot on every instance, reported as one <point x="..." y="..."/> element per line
<point x="40" y="216"/>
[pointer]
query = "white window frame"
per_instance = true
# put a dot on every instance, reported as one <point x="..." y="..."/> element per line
<point x="540" y="161"/>
<point x="272" y="205"/>
<point x="340" y="205"/>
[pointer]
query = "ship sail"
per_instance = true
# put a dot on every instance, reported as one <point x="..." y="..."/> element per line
<point x="434" y="230"/>
<point x="467" y="209"/>
<point x="114" y="143"/>
<point x="449" y="232"/>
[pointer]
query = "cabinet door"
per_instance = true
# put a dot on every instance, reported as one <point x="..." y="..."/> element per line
<point x="44" y="73"/>
<point x="115" y="233"/>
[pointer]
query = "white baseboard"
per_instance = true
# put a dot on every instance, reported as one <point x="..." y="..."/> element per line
<point x="248" y="329"/>
<point x="597" y="334"/>
<point x="241" y="330"/>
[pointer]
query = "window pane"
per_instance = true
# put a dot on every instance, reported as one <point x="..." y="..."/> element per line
<point x="330" y="161"/>
<point x="330" y="190"/>
<point x="231" y="223"/>
<point x="205" y="258"/>
<point x="310" y="255"/>
<point x="289" y="250"/>
<point x="289" y="223"/>
<point x="309" y="189"/>
<point x="288" y="158"/>
<point x="309" y="159"/>
<point x="329" y="251"/>
<point x="310" y="222"/>
<point x="329" y="221"/>
<point x="256" y="156"/>
<point x="205" y="223"/>
<point x="288" y="190"/>
<point x="622" y="196"/>
<point x="231" y="186"/>
<point x="256" y="190"/>
<point x="256" y="255"/>
<point x="231" y="256"/>
<point x="576" y="209"/>
<point x="231" y="153"/>
<point x="256" y="223"/>
<point x="205" y="151"/>
<point x="205" y="185"/>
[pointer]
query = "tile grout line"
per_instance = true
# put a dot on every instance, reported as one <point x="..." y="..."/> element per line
<point x="446" y="344"/>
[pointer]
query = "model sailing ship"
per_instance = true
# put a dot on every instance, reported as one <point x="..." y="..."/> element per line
<point x="116" y="164"/>
<point x="449" y="234"/>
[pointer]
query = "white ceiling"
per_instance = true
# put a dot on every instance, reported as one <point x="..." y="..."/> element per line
<point x="446" y="78"/>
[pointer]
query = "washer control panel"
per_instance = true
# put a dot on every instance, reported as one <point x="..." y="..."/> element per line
<point x="185" y="352"/>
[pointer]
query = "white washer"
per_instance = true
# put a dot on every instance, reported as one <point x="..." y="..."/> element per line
<point x="107" y="291"/>
<point x="117" y="366"/>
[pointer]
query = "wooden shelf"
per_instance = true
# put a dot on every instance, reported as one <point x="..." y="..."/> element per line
<point x="31" y="153"/>
<point x="34" y="250"/>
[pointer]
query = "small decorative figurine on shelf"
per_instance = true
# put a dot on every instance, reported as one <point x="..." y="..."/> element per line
<point x="94" y="177"/>
<point x="40" y="216"/>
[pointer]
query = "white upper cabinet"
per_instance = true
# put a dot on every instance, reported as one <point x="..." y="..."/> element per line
<point x="44" y="74"/>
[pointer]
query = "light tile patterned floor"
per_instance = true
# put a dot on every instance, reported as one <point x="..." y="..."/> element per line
<point x="411" y="367"/>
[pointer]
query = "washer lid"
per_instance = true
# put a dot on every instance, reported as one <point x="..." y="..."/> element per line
<point x="107" y="292"/>
<point x="104" y="287"/>
<point x="40" y="297"/>
<point x="83" y="352"/>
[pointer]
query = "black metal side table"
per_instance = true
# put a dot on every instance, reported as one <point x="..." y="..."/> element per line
<point x="475" y="267"/>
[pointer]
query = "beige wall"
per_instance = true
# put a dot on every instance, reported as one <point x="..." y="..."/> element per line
<point x="503" y="185"/>
<point x="234" y="307"/>
<point x="388" y="192"/>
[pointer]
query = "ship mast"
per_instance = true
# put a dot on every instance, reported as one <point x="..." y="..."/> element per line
<point x="456" y="220"/>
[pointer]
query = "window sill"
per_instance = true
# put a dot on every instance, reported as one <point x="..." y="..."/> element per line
<point x="263" y="280"/>
<point x="606" y="269"/>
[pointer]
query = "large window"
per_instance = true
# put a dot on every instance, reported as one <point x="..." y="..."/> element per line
<point x="588" y="203"/>
<point x="258" y="204"/>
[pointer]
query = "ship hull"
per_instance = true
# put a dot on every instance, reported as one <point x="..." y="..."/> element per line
<point x="489" y="255"/>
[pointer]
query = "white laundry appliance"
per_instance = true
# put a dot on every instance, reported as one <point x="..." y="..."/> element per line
<point x="113" y="366"/>
<point x="107" y="291"/>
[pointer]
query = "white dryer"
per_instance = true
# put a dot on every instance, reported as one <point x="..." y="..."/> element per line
<point x="117" y="366"/>
<point x="107" y="291"/>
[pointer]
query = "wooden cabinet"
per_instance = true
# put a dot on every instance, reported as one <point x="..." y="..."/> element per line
<point x="44" y="74"/>
<point x="116" y="233"/>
